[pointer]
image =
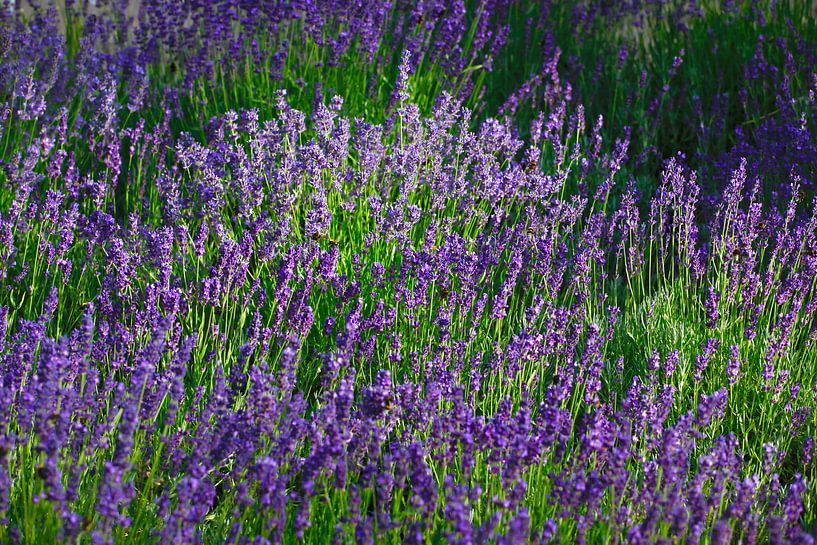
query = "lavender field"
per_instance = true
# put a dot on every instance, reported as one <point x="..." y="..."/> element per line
<point x="387" y="272"/>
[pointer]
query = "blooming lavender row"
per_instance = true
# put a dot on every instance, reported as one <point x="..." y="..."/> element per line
<point x="396" y="342"/>
<point x="61" y="52"/>
<point x="292" y="326"/>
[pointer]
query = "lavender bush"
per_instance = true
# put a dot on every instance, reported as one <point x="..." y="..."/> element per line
<point x="332" y="272"/>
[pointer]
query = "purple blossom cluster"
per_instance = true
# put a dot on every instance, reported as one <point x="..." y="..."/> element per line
<point x="364" y="376"/>
<point x="184" y="46"/>
<point x="305" y="326"/>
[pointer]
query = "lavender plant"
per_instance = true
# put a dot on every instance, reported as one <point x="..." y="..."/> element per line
<point x="313" y="273"/>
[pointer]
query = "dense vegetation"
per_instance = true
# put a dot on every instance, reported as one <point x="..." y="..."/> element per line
<point x="483" y="271"/>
